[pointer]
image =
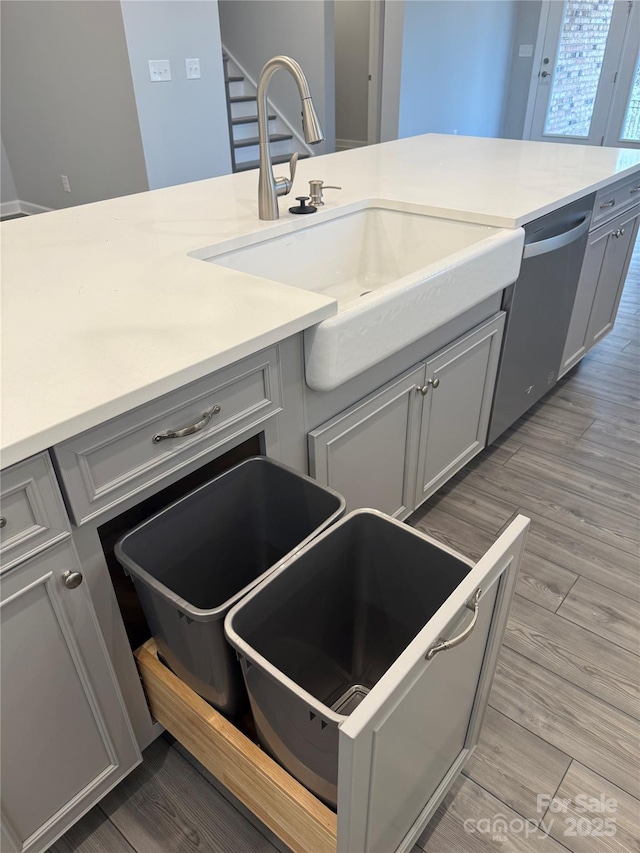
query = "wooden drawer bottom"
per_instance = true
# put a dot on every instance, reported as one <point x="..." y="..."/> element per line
<point x="290" y="811"/>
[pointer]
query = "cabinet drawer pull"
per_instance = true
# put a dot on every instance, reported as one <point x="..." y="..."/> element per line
<point x="607" y="204"/>
<point x="181" y="433"/>
<point x="635" y="189"/>
<point x="474" y="605"/>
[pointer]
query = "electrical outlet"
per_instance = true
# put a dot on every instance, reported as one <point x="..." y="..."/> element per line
<point x="159" y="70"/>
<point x="65" y="183"/>
<point x="193" y="69"/>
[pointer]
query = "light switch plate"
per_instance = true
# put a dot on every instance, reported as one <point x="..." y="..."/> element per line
<point x="193" y="69"/>
<point x="159" y="70"/>
<point x="525" y="50"/>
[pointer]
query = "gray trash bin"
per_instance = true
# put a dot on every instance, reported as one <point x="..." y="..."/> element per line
<point x="325" y="627"/>
<point x="196" y="558"/>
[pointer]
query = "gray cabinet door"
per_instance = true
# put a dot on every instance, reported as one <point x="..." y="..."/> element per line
<point x="459" y="389"/>
<point x="574" y="347"/>
<point x="369" y="452"/>
<point x="403" y="746"/>
<point x="602" y="278"/>
<point x="613" y="272"/>
<point x="66" y="738"/>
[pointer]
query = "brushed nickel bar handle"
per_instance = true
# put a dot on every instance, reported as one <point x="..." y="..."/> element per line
<point x="607" y="204"/>
<point x="181" y="433"/>
<point x="443" y="645"/>
<point x="531" y="250"/>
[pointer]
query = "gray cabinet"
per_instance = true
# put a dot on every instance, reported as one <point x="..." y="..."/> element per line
<point x="65" y="734"/>
<point x="369" y="453"/>
<point x="458" y="392"/>
<point x="602" y="279"/>
<point x="393" y="449"/>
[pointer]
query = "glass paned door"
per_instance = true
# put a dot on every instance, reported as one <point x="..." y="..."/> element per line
<point x="580" y="75"/>
<point x="623" y="123"/>
<point x="583" y="38"/>
<point x="631" y="124"/>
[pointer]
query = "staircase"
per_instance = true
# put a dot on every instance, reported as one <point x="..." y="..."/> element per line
<point x="242" y="112"/>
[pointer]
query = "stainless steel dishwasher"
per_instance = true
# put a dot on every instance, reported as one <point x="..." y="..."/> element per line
<point x="538" y="308"/>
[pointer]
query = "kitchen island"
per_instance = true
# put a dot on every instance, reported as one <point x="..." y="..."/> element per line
<point x="99" y="307"/>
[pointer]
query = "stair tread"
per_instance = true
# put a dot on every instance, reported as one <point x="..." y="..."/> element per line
<point x="280" y="158"/>
<point x="248" y="119"/>
<point x="241" y="99"/>
<point x="255" y="140"/>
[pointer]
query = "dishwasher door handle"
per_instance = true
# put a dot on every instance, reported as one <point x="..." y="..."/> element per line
<point x="531" y="250"/>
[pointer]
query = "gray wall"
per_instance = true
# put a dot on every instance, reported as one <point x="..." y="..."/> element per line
<point x="183" y="122"/>
<point x="67" y="102"/>
<point x="255" y="30"/>
<point x="525" y="32"/>
<point x="455" y="66"/>
<point x="352" y="69"/>
<point x="8" y="190"/>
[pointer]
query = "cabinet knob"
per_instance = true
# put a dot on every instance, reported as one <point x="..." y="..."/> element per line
<point x="72" y="579"/>
<point x="3" y="521"/>
<point x="431" y="383"/>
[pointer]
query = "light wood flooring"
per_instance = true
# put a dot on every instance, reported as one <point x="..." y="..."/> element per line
<point x="563" y="715"/>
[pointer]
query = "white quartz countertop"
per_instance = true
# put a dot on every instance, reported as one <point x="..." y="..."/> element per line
<point x="103" y="309"/>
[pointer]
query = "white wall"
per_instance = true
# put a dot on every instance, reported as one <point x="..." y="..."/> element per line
<point x="183" y="122"/>
<point x="455" y="65"/>
<point x="255" y="30"/>
<point x="8" y="190"/>
<point x="352" y="21"/>
<point x="68" y="106"/>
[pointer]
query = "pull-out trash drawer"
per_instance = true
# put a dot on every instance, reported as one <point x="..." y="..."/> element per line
<point x="408" y="711"/>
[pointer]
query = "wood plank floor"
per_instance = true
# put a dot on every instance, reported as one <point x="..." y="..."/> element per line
<point x="563" y="715"/>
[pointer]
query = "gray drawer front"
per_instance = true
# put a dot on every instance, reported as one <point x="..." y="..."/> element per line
<point x="106" y="465"/>
<point x="612" y="200"/>
<point x="403" y="746"/>
<point x="32" y="510"/>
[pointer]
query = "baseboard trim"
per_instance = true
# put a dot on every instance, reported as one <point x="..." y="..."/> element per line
<point x="345" y="144"/>
<point x="10" y="208"/>
<point x="30" y="209"/>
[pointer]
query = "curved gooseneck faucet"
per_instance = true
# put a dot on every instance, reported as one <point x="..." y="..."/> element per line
<point x="269" y="188"/>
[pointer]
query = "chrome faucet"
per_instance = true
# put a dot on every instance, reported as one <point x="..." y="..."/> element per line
<point x="269" y="188"/>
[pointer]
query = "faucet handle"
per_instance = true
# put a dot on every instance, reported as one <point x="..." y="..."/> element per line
<point x="284" y="185"/>
<point x="292" y="166"/>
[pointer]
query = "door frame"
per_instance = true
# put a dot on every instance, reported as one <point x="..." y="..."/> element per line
<point x="537" y="59"/>
<point x="374" y="98"/>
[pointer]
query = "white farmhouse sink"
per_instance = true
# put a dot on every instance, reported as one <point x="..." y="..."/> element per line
<point x="396" y="272"/>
